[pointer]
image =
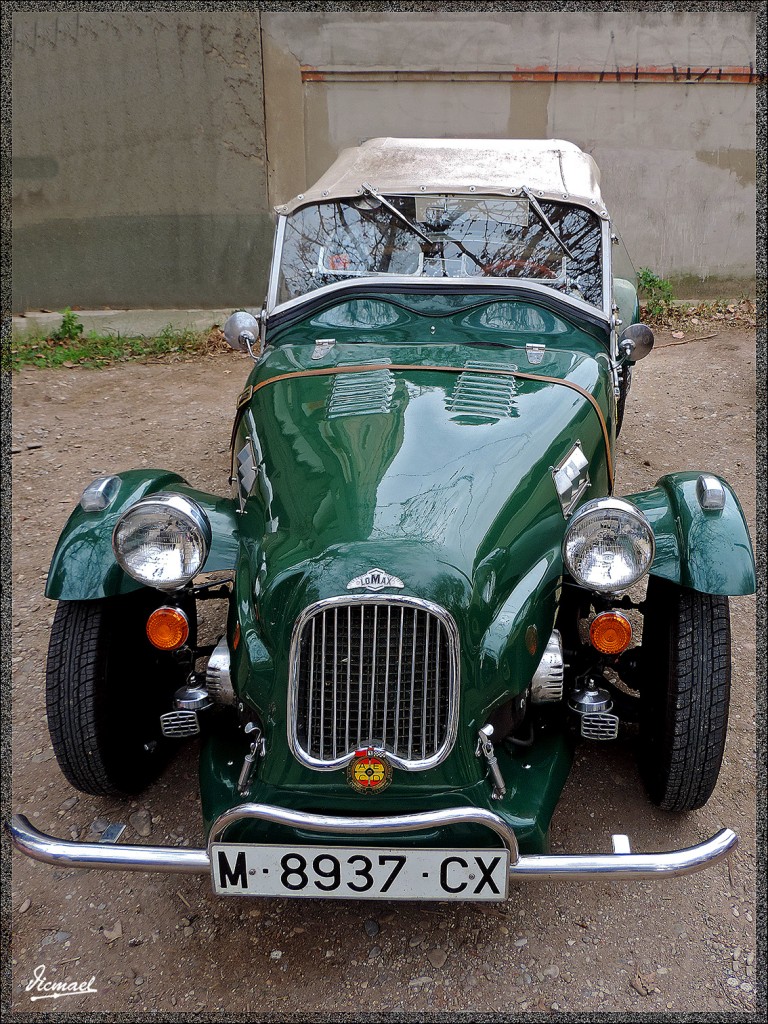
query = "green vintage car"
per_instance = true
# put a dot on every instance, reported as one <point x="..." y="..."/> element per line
<point x="433" y="591"/>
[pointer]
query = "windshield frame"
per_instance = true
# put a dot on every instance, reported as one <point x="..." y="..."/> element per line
<point x="605" y="254"/>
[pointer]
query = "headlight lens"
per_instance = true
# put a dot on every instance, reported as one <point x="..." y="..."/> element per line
<point x="163" y="540"/>
<point x="608" y="545"/>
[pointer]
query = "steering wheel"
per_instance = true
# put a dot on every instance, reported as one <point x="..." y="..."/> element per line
<point x="541" y="268"/>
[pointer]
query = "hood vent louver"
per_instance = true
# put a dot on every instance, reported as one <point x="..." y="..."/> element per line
<point x="488" y="395"/>
<point x="361" y="394"/>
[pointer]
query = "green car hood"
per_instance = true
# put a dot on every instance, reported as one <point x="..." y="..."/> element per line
<point x="392" y="458"/>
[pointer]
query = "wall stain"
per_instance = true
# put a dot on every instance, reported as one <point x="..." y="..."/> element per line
<point x="528" y="110"/>
<point x="152" y="260"/>
<point x="35" y="167"/>
<point x="740" y="162"/>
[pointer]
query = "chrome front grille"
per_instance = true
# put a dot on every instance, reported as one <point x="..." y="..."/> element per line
<point x="377" y="672"/>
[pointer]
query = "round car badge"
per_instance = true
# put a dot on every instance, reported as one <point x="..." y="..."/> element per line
<point x="369" y="771"/>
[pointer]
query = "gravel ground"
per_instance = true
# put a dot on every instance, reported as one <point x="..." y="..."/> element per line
<point x="165" y="943"/>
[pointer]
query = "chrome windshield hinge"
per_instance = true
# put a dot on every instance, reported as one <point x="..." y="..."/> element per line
<point x="322" y="347"/>
<point x="535" y="352"/>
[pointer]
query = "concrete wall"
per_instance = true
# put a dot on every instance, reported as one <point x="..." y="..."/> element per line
<point x="139" y="173"/>
<point x="148" y="147"/>
<point x="677" y="161"/>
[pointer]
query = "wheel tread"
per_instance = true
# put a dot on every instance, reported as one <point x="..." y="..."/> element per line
<point x="72" y="696"/>
<point x="105" y="689"/>
<point x="687" y="694"/>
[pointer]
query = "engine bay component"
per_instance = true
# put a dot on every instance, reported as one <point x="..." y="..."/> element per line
<point x="547" y="682"/>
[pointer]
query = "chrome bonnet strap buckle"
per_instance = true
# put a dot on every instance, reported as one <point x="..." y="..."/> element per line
<point x="485" y="749"/>
<point x="256" y="751"/>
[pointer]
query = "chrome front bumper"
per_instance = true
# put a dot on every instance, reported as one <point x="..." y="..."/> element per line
<point x="621" y="864"/>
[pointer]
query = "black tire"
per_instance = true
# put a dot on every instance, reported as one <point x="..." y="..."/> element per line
<point x="106" y="687"/>
<point x="684" y="695"/>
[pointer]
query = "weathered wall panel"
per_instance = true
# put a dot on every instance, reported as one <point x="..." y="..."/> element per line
<point x="139" y="164"/>
<point x="677" y="160"/>
<point x="149" y="146"/>
<point x="475" y="39"/>
<point x="677" y="170"/>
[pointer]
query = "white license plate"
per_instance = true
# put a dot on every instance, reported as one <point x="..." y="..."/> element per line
<point x="359" y="873"/>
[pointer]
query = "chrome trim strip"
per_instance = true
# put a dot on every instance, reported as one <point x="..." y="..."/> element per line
<point x="274" y="276"/>
<point x="311" y="682"/>
<point x="367" y="826"/>
<point x="108" y="856"/>
<point x="413" y="681"/>
<point x="608" y="866"/>
<point x="396" y="740"/>
<point x="425" y="683"/>
<point x="629" y="866"/>
<point x="359" y="681"/>
<point x="386" y="670"/>
<point x="335" y="673"/>
<point x="373" y="671"/>
<point x="349" y="672"/>
<point x="322" y="683"/>
<point x="393" y="281"/>
<point x="607" y="269"/>
<point x="437" y="683"/>
<point x="398" y="760"/>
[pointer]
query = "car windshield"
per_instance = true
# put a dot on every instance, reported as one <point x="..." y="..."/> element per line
<point x="442" y="236"/>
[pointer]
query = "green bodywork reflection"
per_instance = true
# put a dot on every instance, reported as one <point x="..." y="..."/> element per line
<point x="708" y="551"/>
<point x="83" y="567"/>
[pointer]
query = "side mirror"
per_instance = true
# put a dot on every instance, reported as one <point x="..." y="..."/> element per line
<point x="241" y="331"/>
<point x="635" y="342"/>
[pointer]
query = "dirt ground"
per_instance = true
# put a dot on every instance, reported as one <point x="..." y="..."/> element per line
<point x="165" y="943"/>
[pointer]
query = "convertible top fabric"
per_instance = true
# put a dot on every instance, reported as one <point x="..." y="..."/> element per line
<point x="550" y="168"/>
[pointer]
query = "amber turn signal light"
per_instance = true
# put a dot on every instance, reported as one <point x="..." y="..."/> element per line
<point x="610" y="632"/>
<point x="168" y="628"/>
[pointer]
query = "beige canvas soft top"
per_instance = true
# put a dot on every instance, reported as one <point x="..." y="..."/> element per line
<point x="550" y="168"/>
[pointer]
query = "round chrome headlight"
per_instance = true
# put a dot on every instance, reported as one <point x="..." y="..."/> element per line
<point x="609" y="545"/>
<point x="163" y="540"/>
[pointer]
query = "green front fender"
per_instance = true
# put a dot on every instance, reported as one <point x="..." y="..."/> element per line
<point x="83" y="566"/>
<point x="708" y="551"/>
